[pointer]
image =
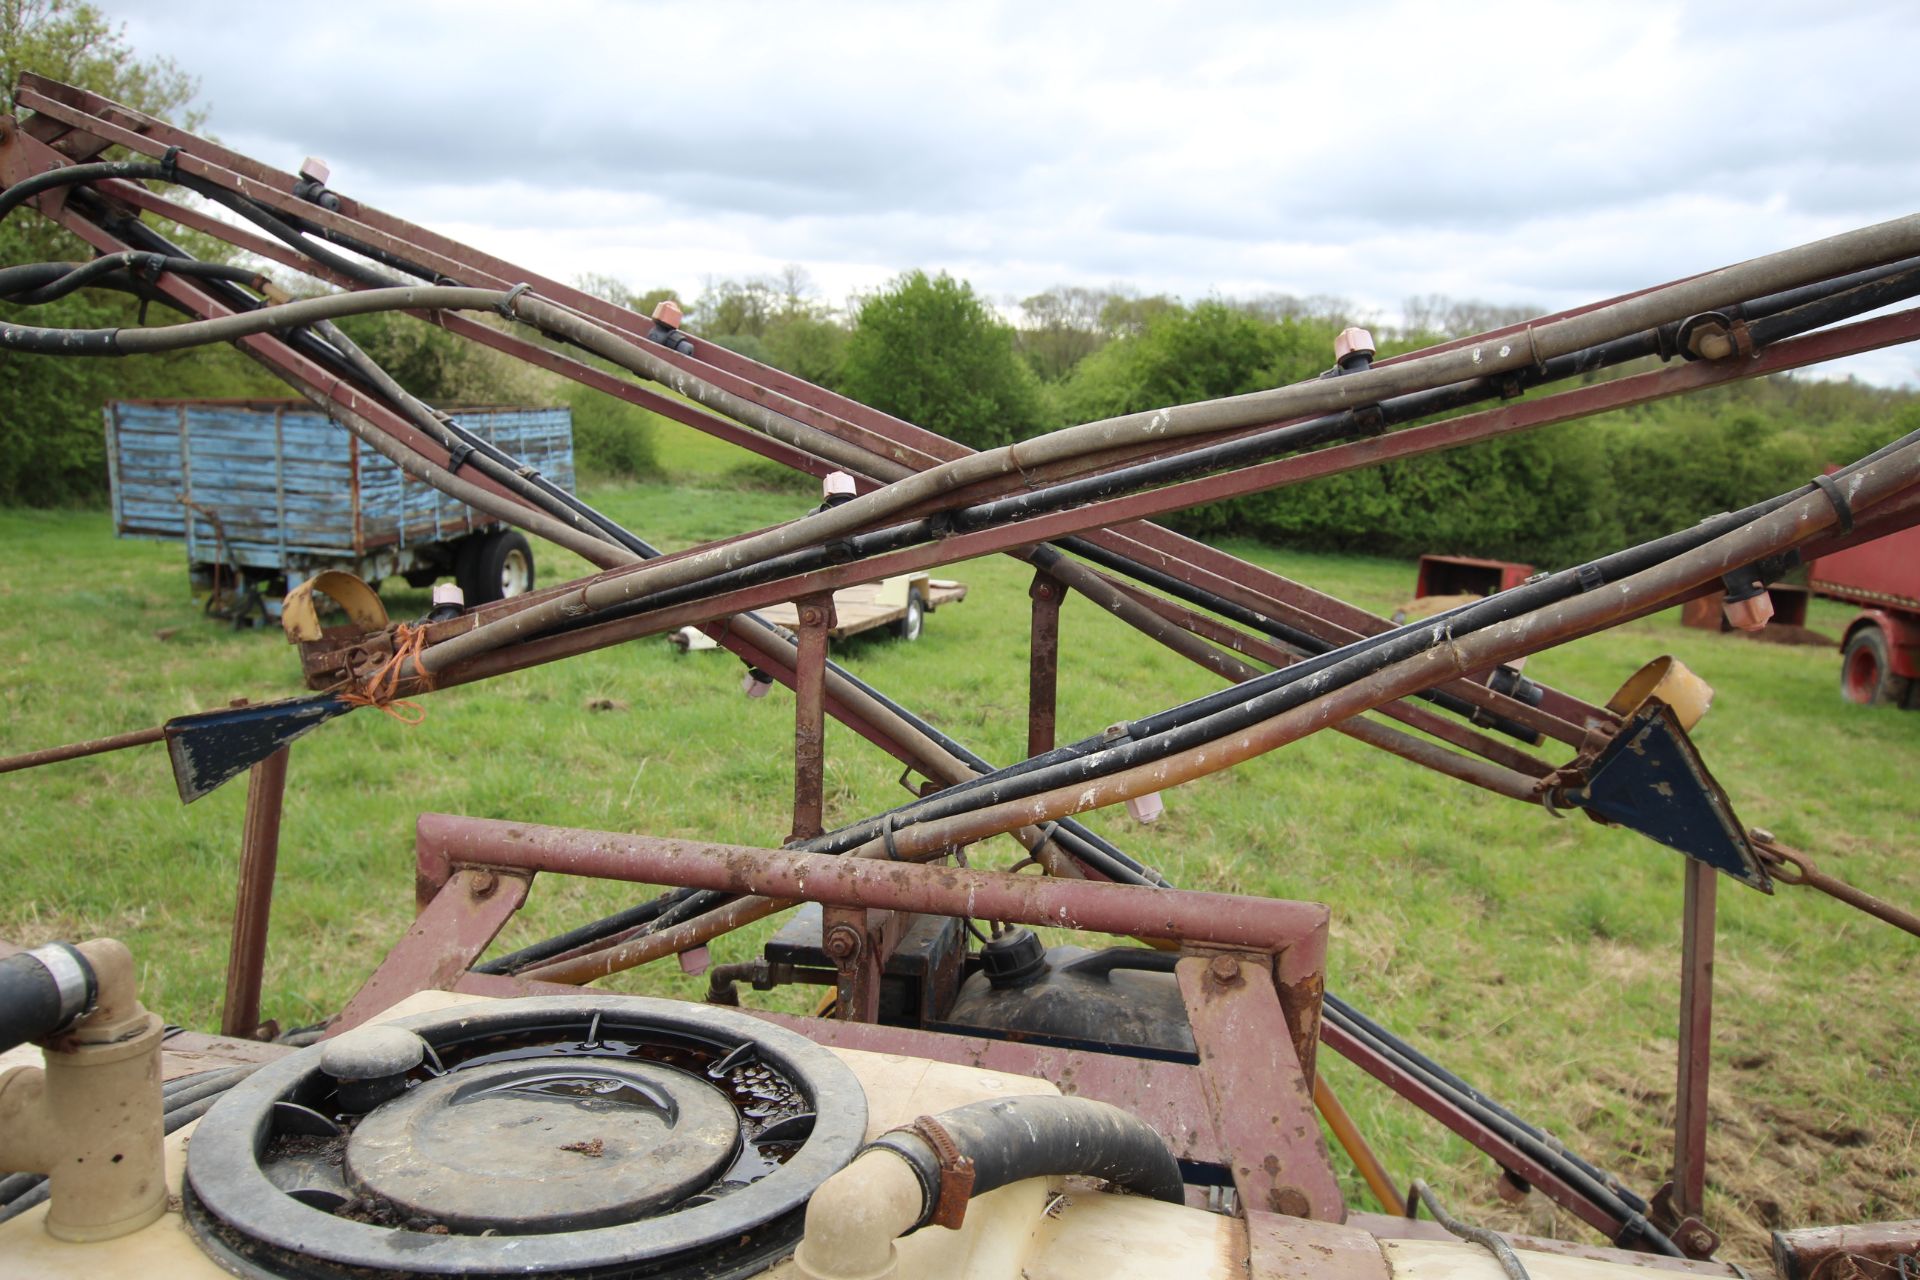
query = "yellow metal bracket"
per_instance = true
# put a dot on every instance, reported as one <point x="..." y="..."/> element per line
<point x="300" y="617"/>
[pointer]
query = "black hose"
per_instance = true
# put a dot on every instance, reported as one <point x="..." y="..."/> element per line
<point x="1579" y="1176"/>
<point x="1359" y="1025"/>
<point x="1012" y="1139"/>
<point x="79" y="275"/>
<point x="43" y="991"/>
<point x="586" y="934"/>
<point x="27" y="188"/>
<point x="1307" y="643"/>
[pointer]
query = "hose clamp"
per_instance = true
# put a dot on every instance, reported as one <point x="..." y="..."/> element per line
<point x="513" y="296"/>
<point x="956" y="1174"/>
<point x="1841" y="507"/>
<point x="72" y="978"/>
<point x="886" y="837"/>
<point x="170" y="164"/>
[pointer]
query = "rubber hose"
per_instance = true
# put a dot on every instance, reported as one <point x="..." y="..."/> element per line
<point x="21" y="192"/>
<point x="34" y="1001"/>
<point x="1012" y="1139"/>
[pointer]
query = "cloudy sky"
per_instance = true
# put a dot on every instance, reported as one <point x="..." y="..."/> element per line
<point x="1542" y="153"/>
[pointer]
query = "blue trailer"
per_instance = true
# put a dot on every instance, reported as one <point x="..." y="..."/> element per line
<point x="266" y="494"/>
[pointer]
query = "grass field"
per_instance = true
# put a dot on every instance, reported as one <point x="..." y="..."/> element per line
<point x="1536" y="958"/>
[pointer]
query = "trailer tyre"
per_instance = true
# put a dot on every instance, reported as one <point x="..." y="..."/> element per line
<point x="496" y="566"/>
<point x="914" y="620"/>
<point x="1866" y="670"/>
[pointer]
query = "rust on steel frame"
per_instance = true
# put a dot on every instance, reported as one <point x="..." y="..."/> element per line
<point x="1252" y="981"/>
<point x="290" y="364"/>
<point x="466" y="904"/>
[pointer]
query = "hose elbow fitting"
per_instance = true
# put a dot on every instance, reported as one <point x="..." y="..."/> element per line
<point x="856" y="1216"/>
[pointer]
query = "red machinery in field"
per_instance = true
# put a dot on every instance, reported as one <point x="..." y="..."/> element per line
<point x="1880" y="652"/>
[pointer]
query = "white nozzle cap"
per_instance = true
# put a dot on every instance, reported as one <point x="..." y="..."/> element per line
<point x="838" y="484"/>
<point x="754" y="686"/>
<point x="448" y="593"/>
<point x="1146" y="808"/>
<point x="315" y="168"/>
<point x="696" y="961"/>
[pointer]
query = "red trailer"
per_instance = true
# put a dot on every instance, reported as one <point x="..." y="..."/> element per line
<point x="1881" y="647"/>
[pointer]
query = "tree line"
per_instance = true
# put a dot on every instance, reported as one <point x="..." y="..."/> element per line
<point x="930" y="349"/>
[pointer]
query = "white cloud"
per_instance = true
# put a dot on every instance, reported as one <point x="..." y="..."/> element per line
<point x="1546" y="152"/>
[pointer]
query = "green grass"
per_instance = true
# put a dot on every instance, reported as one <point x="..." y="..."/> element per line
<point x="1538" y="958"/>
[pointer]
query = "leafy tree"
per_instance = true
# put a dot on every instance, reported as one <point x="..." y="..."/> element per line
<point x="929" y="350"/>
<point x="1185" y="354"/>
<point x="1061" y="328"/>
<point x="51" y="444"/>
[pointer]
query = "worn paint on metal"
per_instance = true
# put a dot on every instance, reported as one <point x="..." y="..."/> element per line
<point x="294" y="491"/>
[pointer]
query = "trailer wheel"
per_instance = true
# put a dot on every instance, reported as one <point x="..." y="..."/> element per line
<point x="911" y="624"/>
<point x="496" y="567"/>
<point x="1866" y="670"/>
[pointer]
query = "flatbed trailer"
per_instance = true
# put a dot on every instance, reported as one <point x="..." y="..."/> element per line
<point x="267" y="494"/>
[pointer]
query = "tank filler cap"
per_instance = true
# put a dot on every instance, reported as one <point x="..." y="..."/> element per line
<point x="1014" y="959"/>
<point x="370" y="1064"/>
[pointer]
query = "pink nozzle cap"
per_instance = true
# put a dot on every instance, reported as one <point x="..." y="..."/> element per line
<point x="753" y="686"/>
<point x="1146" y="808"/>
<point x="668" y="313"/>
<point x="838" y="484"/>
<point x="1750" y="614"/>
<point x="1351" y="342"/>
<point x="315" y="168"/>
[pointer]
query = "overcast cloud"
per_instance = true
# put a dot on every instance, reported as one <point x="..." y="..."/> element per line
<point x="1541" y="153"/>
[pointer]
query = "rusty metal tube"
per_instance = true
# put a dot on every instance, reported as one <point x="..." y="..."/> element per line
<point x="1786" y="525"/>
<point x="75" y="750"/>
<point x="253" y="897"/>
<point x="1221" y="919"/>
<point x="1899" y="238"/>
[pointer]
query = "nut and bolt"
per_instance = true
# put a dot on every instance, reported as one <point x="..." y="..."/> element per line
<point x="1224" y="970"/>
<point x="842" y="942"/>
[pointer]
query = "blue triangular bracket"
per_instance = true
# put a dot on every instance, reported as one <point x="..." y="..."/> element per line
<point x="1651" y="779"/>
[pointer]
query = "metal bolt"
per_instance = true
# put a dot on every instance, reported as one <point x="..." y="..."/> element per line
<point x="668" y="313"/>
<point x="1225" y="970"/>
<point x="484" y="884"/>
<point x="1760" y="835"/>
<point x="1116" y="731"/>
<point x="842" y="942"/>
